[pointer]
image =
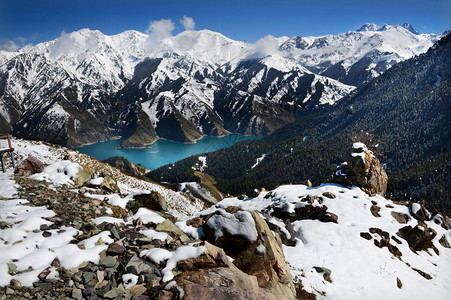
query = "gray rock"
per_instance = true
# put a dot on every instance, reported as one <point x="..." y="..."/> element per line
<point x="138" y="266"/>
<point x="109" y="262"/>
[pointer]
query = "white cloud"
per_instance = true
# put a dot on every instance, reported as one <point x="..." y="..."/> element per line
<point x="9" y="45"/>
<point x="188" y="23"/>
<point x="158" y="30"/>
<point x="266" y="46"/>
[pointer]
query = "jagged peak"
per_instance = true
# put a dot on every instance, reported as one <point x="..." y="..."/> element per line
<point x="385" y="27"/>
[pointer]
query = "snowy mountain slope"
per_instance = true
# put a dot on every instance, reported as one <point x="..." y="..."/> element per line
<point x="201" y="82"/>
<point x="42" y="100"/>
<point x="358" y="56"/>
<point x="354" y="249"/>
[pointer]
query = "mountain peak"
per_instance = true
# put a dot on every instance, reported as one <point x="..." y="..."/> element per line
<point x="409" y="27"/>
<point x="375" y="27"/>
<point x="369" y="27"/>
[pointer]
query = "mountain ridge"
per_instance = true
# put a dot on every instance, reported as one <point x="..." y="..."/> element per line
<point x="196" y="85"/>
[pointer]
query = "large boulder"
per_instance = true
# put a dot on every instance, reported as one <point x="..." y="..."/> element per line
<point x="31" y="165"/>
<point x="246" y="237"/>
<point x="362" y="169"/>
<point x="213" y="276"/>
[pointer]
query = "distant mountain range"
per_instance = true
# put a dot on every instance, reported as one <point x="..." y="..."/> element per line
<point x="404" y="115"/>
<point x="87" y="87"/>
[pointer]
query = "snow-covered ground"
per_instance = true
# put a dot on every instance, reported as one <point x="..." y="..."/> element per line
<point x="360" y="270"/>
<point x="26" y="250"/>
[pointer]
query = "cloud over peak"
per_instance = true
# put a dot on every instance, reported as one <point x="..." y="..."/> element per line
<point x="188" y="23"/>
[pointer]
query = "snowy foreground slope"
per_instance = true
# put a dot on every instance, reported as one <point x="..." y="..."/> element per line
<point x="60" y="237"/>
<point x="359" y="269"/>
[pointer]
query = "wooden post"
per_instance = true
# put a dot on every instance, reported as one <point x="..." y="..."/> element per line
<point x="9" y="141"/>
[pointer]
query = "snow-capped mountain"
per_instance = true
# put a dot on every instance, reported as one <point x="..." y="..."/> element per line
<point x="358" y="56"/>
<point x="185" y="86"/>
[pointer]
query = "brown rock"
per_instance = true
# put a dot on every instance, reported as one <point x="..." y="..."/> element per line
<point x="115" y="249"/>
<point x="31" y="165"/>
<point x="398" y="282"/>
<point x="195" y="222"/>
<point x="364" y="170"/>
<point x="400" y="217"/>
<point x="366" y="235"/>
<point x="329" y="195"/>
<point x="109" y="184"/>
<point x="419" y="212"/>
<point x="138" y="289"/>
<point x="153" y="201"/>
<point x="444" y="242"/>
<point x="212" y="258"/>
<point x="375" y="211"/>
<point x="419" y="237"/>
<point x="221" y="283"/>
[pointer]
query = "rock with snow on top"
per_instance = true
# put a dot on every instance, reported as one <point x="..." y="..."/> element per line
<point x="364" y="170"/>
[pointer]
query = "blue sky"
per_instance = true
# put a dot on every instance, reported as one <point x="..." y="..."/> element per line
<point x="34" y="21"/>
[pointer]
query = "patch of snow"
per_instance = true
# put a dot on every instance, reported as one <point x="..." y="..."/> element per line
<point x="129" y="280"/>
<point x="240" y="223"/>
<point x="258" y="160"/>
<point x="62" y="172"/>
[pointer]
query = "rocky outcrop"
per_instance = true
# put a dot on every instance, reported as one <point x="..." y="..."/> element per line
<point x="213" y="276"/>
<point x="246" y="237"/>
<point x="419" y="237"/>
<point x="362" y="169"/>
<point x="310" y="207"/>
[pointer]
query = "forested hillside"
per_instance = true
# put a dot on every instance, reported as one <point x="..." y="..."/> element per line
<point x="404" y="116"/>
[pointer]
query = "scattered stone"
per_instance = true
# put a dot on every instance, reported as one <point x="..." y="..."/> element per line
<point x="44" y="274"/>
<point x="400" y="217"/>
<point x="109" y="184"/>
<point x="108" y="262"/>
<point x="46" y="234"/>
<point x="43" y="285"/>
<point x="366" y="235"/>
<point x="115" y="249"/>
<point x="195" y="222"/>
<point x="328" y="217"/>
<point x="375" y="211"/>
<point x="138" y="289"/>
<point x="82" y="177"/>
<point x="12" y="269"/>
<point x="398" y="282"/>
<point x="153" y="201"/>
<point x="329" y="195"/>
<point x="88" y="277"/>
<point x="76" y="294"/>
<point x="419" y="237"/>
<point x="15" y="283"/>
<point x="327" y="272"/>
<point x="424" y="274"/>
<point x="419" y="212"/>
<point x="444" y="242"/>
<point x="31" y="165"/>
<point x="115" y="292"/>
<point x="9" y="291"/>
<point x="168" y="226"/>
<point x="138" y="266"/>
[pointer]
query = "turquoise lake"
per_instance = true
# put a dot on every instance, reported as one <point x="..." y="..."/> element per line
<point x="161" y="152"/>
